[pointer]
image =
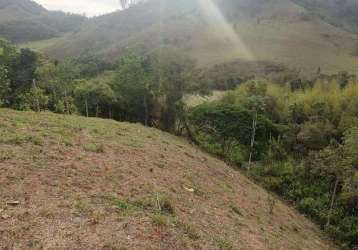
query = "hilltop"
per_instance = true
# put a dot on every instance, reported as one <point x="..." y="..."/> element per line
<point x="25" y="20"/>
<point x="72" y="182"/>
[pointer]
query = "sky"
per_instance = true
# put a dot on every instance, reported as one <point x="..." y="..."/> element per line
<point x="88" y="7"/>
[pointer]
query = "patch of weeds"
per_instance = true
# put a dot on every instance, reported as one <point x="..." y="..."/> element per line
<point x="158" y="204"/>
<point x="67" y="142"/>
<point x="39" y="164"/>
<point x="134" y="143"/>
<point x="161" y="164"/>
<point x="145" y="205"/>
<point x="84" y="207"/>
<point x="94" y="147"/>
<point x="122" y="207"/>
<point x="227" y="188"/>
<point x="161" y="220"/>
<point x="224" y="244"/>
<point x="36" y="140"/>
<point x="14" y="139"/>
<point x="189" y="230"/>
<point x="235" y="209"/>
<point x="95" y="131"/>
<point x="164" y="204"/>
<point x="2" y="205"/>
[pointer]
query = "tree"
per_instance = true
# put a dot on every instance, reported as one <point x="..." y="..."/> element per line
<point x="95" y="99"/>
<point x="59" y="82"/>
<point x="4" y="85"/>
<point x="7" y="52"/>
<point x="134" y="88"/>
<point x="256" y="102"/>
<point x="21" y="72"/>
<point x="176" y="75"/>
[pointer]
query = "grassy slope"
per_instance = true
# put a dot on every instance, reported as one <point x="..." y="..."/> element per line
<point x="92" y="184"/>
<point x="42" y="44"/>
<point x="283" y="32"/>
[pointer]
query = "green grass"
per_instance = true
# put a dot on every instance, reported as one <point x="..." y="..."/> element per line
<point x="223" y="244"/>
<point x="94" y="147"/>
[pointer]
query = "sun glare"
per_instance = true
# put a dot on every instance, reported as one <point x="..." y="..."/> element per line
<point x="218" y="21"/>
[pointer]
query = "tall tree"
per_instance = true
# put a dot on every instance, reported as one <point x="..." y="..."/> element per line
<point x="175" y="73"/>
<point x="134" y="88"/>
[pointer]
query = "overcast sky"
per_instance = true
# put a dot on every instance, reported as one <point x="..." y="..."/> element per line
<point x="89" y="7"/>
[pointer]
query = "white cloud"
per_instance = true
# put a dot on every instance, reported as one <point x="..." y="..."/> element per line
<point x="88" y="7"/>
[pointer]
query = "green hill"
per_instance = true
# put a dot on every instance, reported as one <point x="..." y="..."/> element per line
<point x="25" y="20"/>
<point x="277" y="32"/>
<point x="77" y="183"/>
<point x="303" y="35"/>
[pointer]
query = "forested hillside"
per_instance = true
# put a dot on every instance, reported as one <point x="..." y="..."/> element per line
<point x="274" y="32"/>
<point x="301" y="35"/>
<point x="24" y="20"/>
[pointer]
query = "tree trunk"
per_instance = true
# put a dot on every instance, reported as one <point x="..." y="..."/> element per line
<point x="146" y="111"/>
<point x="86" y="104"/>
<point x="254" y="124"/>
<point x="66" y="103"/>
<point x="332" y="202"/>
<point x="38" y="109"/>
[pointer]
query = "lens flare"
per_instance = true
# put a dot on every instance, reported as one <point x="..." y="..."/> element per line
<point x="216" y="19"/>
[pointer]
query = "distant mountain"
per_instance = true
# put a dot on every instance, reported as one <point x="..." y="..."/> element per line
<point x="299" y="34"/>
<point x="25" y="20"/>
<point x="294" y="33"/>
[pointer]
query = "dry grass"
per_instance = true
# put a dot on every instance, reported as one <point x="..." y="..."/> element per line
<point x="119" y="198"/>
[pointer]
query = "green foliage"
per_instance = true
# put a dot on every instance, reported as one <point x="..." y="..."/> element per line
<point x="229" y="126"/>
<point x="94" y="98"/>
<point x="150" y="88"/>
<point x="305" y="147"/>
<point x="134" y="88"/>
<point x="4" y="85"/>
